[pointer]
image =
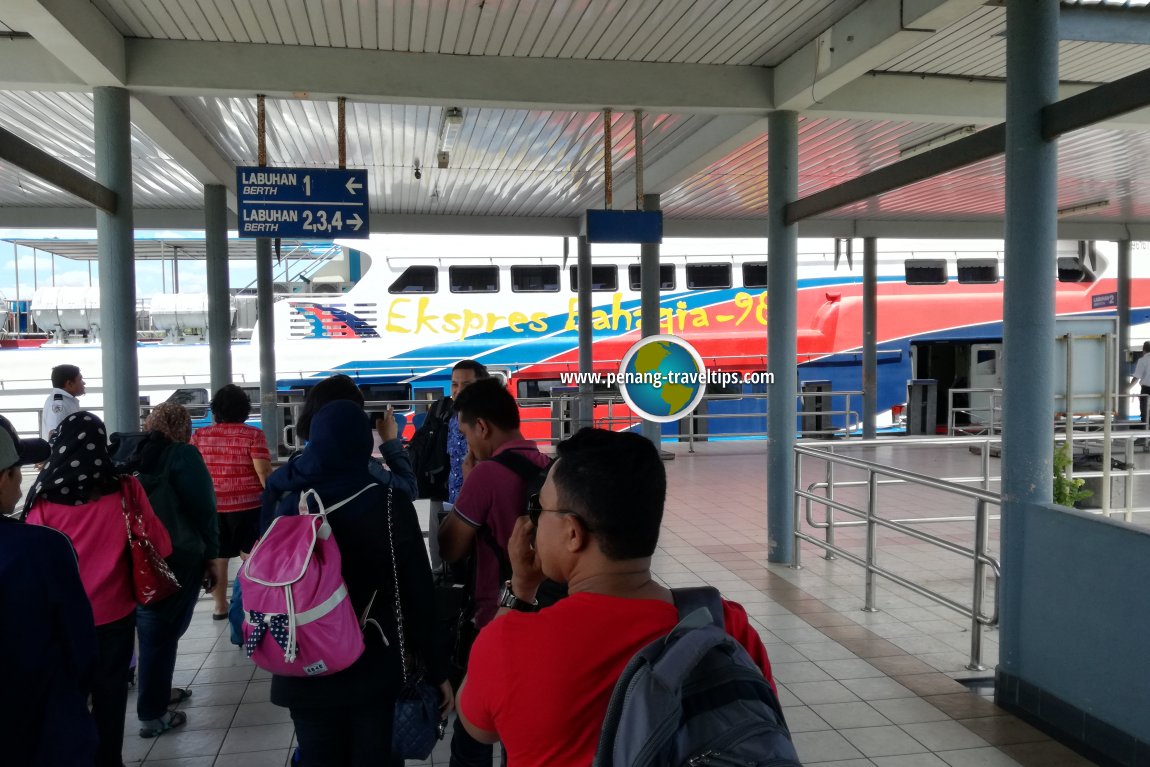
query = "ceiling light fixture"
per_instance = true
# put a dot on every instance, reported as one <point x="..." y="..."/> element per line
<point x="1074" y="210"/>
<point x="449" y="128"/>
<point x="937" y="141"/>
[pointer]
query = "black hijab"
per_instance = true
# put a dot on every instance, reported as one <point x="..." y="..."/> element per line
<point x="79" y="469"/>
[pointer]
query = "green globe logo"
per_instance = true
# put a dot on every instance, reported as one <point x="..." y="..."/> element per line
<point x="662" y="378"/>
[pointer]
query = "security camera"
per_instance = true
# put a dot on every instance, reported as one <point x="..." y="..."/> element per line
<point x="418" y="171"/>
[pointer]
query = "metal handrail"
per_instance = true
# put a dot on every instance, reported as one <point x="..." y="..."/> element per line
<point x="978" y="553"/>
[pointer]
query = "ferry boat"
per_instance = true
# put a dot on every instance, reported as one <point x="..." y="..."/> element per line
<point x="413" y="306"/>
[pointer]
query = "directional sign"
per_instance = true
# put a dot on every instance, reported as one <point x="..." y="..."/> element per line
<point x="303" y="203"/>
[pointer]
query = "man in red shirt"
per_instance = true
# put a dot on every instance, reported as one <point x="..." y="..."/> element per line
<point x="540" y="682"/>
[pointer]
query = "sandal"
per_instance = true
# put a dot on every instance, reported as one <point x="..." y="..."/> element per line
<point x="155" y="727"/>
<point x="179" y="695"/>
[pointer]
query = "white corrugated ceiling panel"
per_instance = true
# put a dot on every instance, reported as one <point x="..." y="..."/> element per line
<point x="976" y="47"/>
<point x="62" y="124"/>
<point x="759" y="32"/>
<point x="505" y="162"/>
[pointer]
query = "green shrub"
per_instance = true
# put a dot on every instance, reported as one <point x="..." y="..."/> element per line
<point x="1067" y="491"/>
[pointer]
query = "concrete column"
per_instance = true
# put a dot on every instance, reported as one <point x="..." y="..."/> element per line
<point x="269" y="415"/>
<point x="586" y="389"/>
<point x="117" y="262"/>
<point x="649" y="301"/>
<point x="219" y="295"/>
<point x="870" y="336"/>
<point x="1123" y="324"/>
<point x="782" y="337"/>
<point x="1028" y="316"/>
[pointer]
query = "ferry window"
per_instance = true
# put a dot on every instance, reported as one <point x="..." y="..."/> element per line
<point x="755" y="275"/>
<point x="925" y="271"/>
<point x="474" y="279"/>
<point x="534" y="388"/>
<point x="666" y="276"/>
<point x="195" y="400"/>
<point x="535" y="279"/>
<point x="416" y="279"/>
<point x="603" y="279"/>
<point x="708" y="276"/>
<point x="1071" y="269"/>
<point x="978" y="271"/>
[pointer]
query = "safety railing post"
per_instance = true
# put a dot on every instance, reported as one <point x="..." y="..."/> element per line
<point x="690" y="433"/>
<point x="830" y="480"/>
<point x="871" y="539"/>
<point x="980" y="542"/>
<point x="797" y="556"/>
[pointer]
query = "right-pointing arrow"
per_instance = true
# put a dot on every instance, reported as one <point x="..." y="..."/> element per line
<point x="355" y="221"/>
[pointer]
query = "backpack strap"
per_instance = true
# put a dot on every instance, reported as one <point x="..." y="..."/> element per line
<point x="304" y="509"/>
<point x="518" y="463"/>
<point x="689" y="599"/>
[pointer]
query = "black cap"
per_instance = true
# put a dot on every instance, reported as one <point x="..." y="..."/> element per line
<point x="19" y="452"/>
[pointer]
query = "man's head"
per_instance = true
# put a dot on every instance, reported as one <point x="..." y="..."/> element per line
<point x="231" y="405"/>
<point x="68" y="378"/>
<point x="465" y="373"/>
<point x="14" y="453"/>
<point x="1146" y="347"/>
<point x="488" y="416"/>
<point x="606" y="490"/>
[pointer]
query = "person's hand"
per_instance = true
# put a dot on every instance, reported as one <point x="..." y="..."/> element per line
<point x="209" y="577"/>
<point x="469" y="462"/>
<point x="446" y="699"/>
<point x="387" y="427"/>
<point x="526" y="569"/>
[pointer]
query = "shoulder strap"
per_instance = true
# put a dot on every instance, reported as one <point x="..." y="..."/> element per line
<point x="325" y="510"/>
<point x="689" y="599"/>
<point x="518" y="463"/>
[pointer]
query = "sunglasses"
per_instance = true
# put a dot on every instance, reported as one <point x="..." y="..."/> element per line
<point x="535" y="510"/>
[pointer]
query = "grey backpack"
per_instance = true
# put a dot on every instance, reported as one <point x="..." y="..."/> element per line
<point x="694" y="698"/>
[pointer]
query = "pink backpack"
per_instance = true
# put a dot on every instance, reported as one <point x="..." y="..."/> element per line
<point x="298" y="619"/>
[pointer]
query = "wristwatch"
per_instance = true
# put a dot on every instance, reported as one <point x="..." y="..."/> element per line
<point x="507" y="598"/>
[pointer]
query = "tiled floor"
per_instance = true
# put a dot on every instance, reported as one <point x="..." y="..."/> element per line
<point x="859" y="688"/>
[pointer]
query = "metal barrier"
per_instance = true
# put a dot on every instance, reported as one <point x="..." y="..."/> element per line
<point x="983" y="420"/>
<point x="978" y="553"/>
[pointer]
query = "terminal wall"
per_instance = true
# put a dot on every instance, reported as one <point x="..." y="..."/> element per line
<point x="1082" y="627"/>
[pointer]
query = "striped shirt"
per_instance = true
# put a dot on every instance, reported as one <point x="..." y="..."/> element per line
<point x="229" y="450"/>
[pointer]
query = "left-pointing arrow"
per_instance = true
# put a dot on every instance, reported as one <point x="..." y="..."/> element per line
<point x="353" y="185"/>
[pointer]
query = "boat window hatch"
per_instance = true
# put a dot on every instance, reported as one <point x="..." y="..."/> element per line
<point x="535" y="279"/>
<point x="473" y="279"/>
<point x="666" y="277"/>
<point x="755" y="275"/>
<point x="604" y="278"/>
<point x="708" y="276"/>
<point x="416" y="279"/>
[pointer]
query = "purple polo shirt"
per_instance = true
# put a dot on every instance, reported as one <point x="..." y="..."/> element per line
<point x="492" y="495"/>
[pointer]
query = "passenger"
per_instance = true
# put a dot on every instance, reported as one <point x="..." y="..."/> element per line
<point x="397" y="473"/>
<point x="465" y="373"/>
<point x="67" y="385"/>
<point x="238" y="459"/>
<point x="345" y="718"/>
<point x="1142" y="377"/>
<point x="80" y="494"/>
<point x="595" y="527"/>
<point x="53" y="655"/>
<point x="182" y="497"/>
<point x="488" y="505"/>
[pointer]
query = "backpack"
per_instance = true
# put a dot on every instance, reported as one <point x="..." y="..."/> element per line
<point x="298" y="617"/>
<point x="142" y="454"/>
<point x="694" y="697"/>
<point x="428" y="452"/>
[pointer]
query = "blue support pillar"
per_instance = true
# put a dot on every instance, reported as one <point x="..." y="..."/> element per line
<point x="269" y="415"/>
<point x="219" y="295"/>
<point x="1028" y="316"/>
<point x="782" y="337"/>
<point x="117" y="259"/>
<point x="649" y="279"/>
<point x="870" y="337"/>
<point x="586" y="329"/>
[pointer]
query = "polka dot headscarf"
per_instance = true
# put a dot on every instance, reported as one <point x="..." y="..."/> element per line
<point x="79" y="469"/>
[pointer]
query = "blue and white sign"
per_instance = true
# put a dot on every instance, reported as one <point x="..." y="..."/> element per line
<point x="1103" y="300"/>
<point x="303" y="203"/>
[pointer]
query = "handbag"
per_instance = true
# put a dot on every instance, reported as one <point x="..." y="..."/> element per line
<point x="152" y="579"/>
<point x="417" y="724"/>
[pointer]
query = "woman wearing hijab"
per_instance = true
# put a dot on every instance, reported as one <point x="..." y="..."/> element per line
<point x="345" y="718"/>
<point x="79" y="494"/>
<point x="180" y="490"/>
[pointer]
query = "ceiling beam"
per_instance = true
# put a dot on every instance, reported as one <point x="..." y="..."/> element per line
<point x="77" y="34"/>
<point x="163" y="120"/>
<point x="26" y="65"/>
<point x="39" y="163"/>
<point x="1104" y="25"/>
<point x="1100" y="103"/>
<point x="289" y="71"/>
<point x="868" y="37"/>
<point x="719" y="137"/>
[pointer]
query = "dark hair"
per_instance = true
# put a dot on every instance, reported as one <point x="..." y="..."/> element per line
<point x="331" y="389"/>
<point x="1146" y="347"/>
<point x="62" y="374"/>
<point x="231" y="405"/>
<point x="478" y="368"/>
<point x="616" y="481"/>
<point x="488" y="399"/>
